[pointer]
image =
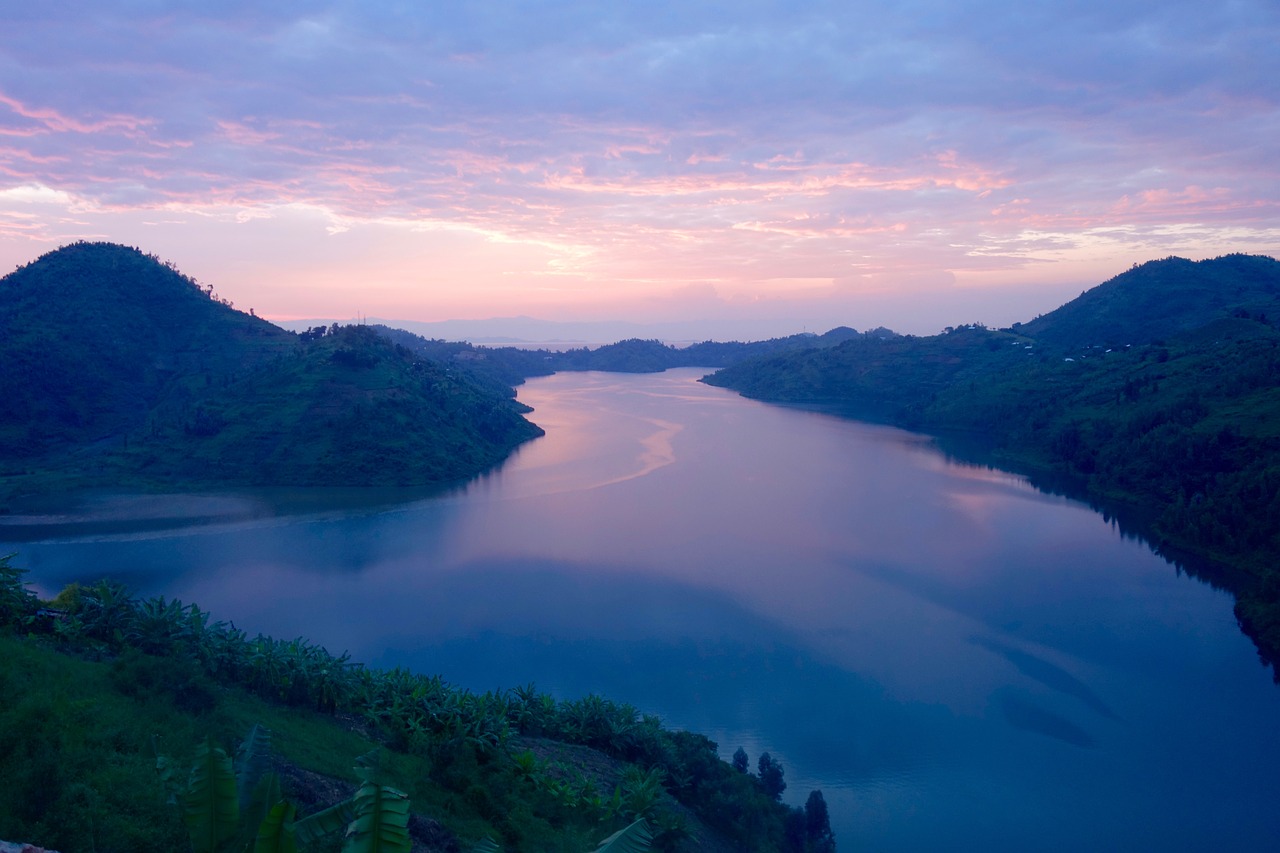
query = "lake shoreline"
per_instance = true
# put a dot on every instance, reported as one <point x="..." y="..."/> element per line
<point x="1132" y="515"/>
<point x="108" y="512"/>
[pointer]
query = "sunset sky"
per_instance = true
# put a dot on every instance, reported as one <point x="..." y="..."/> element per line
<point x="754" y="166"/>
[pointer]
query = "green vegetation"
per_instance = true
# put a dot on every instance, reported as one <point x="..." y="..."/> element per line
<point x="239" y="806"/>
<point x="1161" y="299"/>
<point x="93" y="677"/>
<point x="1154" y="395"/>
<point x="119" y="371"/>
<point x="349" y="408"/>
<point x="94" y="335"/>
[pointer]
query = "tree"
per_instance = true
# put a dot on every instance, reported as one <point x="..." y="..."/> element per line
<point x="771" y="776"/>
<point x="818" y="835"/>
<point x="17" y="603"/>
<point x="740" y="761"/>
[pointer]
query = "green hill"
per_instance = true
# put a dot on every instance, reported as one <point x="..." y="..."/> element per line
<point x="1162" y="298"/>
<point x="1177" y="428"/>
<point x="93" y="335"/>
<point x="120" y="371"/>
<point x="350" y="408"/>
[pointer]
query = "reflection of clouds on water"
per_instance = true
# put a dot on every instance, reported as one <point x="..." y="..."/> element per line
<point x="657" y="452"/>
<point x="573" y="457"/>
<point x="1027" y="715"/>
<point x="1049" y="674"/>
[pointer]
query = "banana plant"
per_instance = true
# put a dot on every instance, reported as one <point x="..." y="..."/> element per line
<point x="527" y="766"/>
<point x="220" y="797"/>
<point x="159" y="625"/>
<point x="375" y="820"/>
<point x="641" y="790"/>
<point x="107" y="612"/>
<point x="233" y="806"/>
<point x="210" y="804"/>
<point x="274" y="835"/>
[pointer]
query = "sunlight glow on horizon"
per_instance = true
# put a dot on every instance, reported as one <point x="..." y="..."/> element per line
<point x="802" y="166"/>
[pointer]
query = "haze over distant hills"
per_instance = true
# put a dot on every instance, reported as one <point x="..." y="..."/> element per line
<point x="1186" y="289"/>
<point x="502" y="331"/>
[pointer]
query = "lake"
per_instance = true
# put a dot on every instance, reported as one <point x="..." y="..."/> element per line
<point x="957" y="660"/>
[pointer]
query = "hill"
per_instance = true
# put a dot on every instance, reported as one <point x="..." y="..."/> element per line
<point x="93" y="335"/>
<point x="120" y="371"/>
<point x="1162" y="298"/>
<point x="350" y="408"/>
<point x="1178" y="431"/>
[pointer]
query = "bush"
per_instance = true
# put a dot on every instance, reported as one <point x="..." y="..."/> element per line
<point x="144" y="676"/>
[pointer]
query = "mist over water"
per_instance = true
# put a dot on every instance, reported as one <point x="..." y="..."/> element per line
<point x="957" y="660"/>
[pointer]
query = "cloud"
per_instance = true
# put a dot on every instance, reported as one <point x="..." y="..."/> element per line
<point x="666" y="143"/>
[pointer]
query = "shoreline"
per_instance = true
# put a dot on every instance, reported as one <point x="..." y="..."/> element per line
<point x="103" y="512"/>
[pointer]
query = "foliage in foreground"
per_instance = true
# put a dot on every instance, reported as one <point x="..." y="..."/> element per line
<point x="78" y="740"/>
<point x="229" y="807"/>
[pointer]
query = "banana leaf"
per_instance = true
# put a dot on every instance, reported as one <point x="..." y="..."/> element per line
<point x="328" y="822"/>
<point x="255" y="811"/>
<point x="276" y="833"/>
<point x="636" y="838"/>
<point x="382" y="821"/>
<point x="252" y="759"/>
<point x="211" y="808"/>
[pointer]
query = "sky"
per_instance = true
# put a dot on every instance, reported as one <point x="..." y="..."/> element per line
<point x="746" y="166"/>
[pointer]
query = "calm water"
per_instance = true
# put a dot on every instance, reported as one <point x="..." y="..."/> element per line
<point x="958" y="661"/>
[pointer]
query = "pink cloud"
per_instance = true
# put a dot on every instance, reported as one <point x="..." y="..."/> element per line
<point x="241" y="134"/>
<point x="643" y="153"/>
<point x="1192" y="201"/>
<point x="56" y="122"/>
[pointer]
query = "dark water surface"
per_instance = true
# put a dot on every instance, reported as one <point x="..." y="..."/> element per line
<point x="957" y="660"/>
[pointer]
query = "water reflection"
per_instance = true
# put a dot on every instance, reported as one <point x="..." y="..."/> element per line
<point x="1047" y="673"/>
<point x="956" y="659"/>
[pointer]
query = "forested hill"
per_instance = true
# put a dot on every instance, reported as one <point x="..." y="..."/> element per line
<point x="93" y="335"/>
<point x="117" y="370"/>
<point x="1162" y="298"/>
<point x="1158" y="390"/>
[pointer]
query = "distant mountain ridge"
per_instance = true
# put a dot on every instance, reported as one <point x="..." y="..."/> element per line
<point x="116" y="369"/>
<point x="512" y="365"/>
<point x="560" y="334"/>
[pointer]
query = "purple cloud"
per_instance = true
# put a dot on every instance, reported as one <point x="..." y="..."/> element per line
<point x="674" y="144"/>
